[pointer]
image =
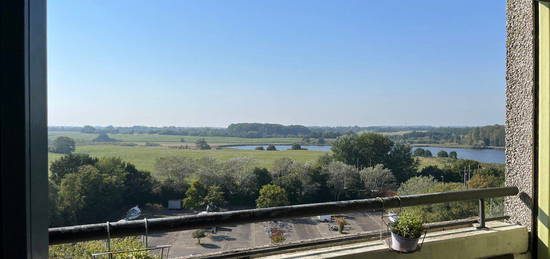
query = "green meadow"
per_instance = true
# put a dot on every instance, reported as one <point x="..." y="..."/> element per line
<point x="144" y="157"/>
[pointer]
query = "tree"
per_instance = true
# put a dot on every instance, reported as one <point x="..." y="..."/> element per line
<point x="198" y="234"/>
<point x="419" y="152"/>
<point x="215" y="197"/>
<point x="484" y="181"/>
<point x="89" y="196"/>
<point x="367" y="149"/>
<point x="261" y="177"/>
<point x="442" y="153"/>
<point x="63" y="145"/>
<point x="461" y="166"/>
<point x="401" y="162"/>
<point x="103" y="137"/>
<point x="271" y="147"/>
<point x="344" y="180"/>
<point x="453" y="155"/>
<point x="296" y="146"/>
<point x="69" y="164"/>
<point x="321" y="141"/>
<point x="195" y="196"/>
<point x="417" y="185"/>
<point x="324" y="160"/>
<point x="201" y="144"/>
<point x="428" y="153"/>
<point x="88" y="129"/>
<point x="282" y="167"/>
<point x="497" y="172"/>
<point x="443" y="175"/>
<point x="377" y="178"/>
<point x="87" y="190"/>
<point x="271" y="196"/>
<point x="176" y="168"/>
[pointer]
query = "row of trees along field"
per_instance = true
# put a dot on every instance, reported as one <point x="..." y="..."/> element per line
<point x="85" y="189"/>
<point x="475" y="136"/>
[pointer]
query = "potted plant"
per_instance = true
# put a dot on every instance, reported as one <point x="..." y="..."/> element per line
<point x="405" y="233"/>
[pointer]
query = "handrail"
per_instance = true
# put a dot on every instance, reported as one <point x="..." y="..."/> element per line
<point x="177" y="223"/>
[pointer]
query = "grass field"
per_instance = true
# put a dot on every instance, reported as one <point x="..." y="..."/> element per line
<point x="83" y="137"/>
<point x="144" y="157"/>
<point x="434" y="161"/>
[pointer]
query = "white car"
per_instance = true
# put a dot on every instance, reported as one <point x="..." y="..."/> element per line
<point x="325" y="218"/>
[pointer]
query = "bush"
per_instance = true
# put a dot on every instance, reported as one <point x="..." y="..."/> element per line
<point x="296" y="146"/>
<point x="408" y="226"/>
<point x="103" y="137"/>
<point x="63" y="145"/>
<point x="202" y="144"/>
<point x="341" y="224"/>
<point x="260" y="148"/>
<point x="272" y="196"/>
<point x="271" y="147"/>
<point x="419" y="152"/>
<point x="453" y="155"/>
<point x="442" y="153"/>
<point x="86" y="249"/>
<point x="198" y="234"/>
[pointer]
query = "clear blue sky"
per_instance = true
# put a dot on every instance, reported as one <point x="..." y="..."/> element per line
<point x="211" y="63"/>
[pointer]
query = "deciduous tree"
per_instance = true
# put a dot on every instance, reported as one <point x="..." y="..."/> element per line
<point x="63" y="145"/>
<point x="272" y="196"/>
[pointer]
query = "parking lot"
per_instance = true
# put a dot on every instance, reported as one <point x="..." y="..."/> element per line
<point x="255" y="234"/>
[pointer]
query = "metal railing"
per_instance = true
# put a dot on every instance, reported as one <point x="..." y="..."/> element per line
<point x="72" y="234"/>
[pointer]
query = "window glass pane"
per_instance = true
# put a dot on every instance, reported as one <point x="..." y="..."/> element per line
<point x="170" y="108"/>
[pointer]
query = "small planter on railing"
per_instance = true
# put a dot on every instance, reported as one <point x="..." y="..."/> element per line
<point x="406" y="232"/>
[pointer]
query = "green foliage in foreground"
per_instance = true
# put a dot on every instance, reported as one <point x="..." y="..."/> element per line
<point x="89" y="190"/>
<point x="272" y="196"/>
<point x="86" y="249"/>
<point x="440" y="211"/>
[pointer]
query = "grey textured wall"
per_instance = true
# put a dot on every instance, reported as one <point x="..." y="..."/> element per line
<point x="519" y="107"/>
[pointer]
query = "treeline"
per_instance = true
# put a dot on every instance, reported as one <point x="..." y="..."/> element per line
<point x="266" y="130"/>
<point x="479" y="137"/>
<point x="486" y="136"/>
<point x="476" y="136"/>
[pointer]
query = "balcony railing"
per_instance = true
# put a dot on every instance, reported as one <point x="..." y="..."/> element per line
<point x="71" y="234"/>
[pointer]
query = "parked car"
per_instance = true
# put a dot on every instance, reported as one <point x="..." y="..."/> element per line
<point x="325" y="218"/>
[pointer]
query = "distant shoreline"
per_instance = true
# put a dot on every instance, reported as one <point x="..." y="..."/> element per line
<point x="456" y="146"/>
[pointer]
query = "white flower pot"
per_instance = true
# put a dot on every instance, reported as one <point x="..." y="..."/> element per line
<point x="403" y="244"/>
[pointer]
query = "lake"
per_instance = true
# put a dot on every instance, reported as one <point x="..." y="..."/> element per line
<point x="482" y="155"/>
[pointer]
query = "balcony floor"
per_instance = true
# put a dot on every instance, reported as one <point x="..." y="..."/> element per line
<point x="468" y="242"/>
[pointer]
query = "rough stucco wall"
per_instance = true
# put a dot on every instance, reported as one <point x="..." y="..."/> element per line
<point x="519" y="108"/>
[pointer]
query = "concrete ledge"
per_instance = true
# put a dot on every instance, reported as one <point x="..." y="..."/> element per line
<point x="499" y="239"/>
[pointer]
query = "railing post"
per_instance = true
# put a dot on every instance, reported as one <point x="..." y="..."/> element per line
<point x="481" y="214"/>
